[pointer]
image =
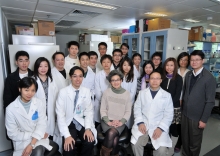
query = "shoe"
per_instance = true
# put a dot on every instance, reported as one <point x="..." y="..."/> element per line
<point x="105" y="151"/>
<point x="177" y="150"/>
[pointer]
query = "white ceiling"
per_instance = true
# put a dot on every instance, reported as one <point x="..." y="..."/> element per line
<point x="112" y="20"/>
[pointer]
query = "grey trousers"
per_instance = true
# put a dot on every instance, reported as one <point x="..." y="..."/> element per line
<point x="191" y="137"/>
<point x="138" y="148"/>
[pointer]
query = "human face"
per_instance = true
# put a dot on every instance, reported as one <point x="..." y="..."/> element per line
<point x="196" y="62"/>
<point x="27" y="93"/>
<point x="124" y="50"/>
<point x="116" y="82"/>
<point x="184" y="62"/>
<point x="106" y="64"/>
<point x="170" y="67"/>
<point x="137" y="61"/>
<point x="43" y="68"/>
<point x="59" y="62"/>
<point x="102" y="50"/>
<point x="117" y="57"/>
<point x="93" y="60"/>
<point x="73" y="51"/>
<point x="23" y="63"/>
<point x="155" y="80"/>
<point x="77" y="78"/>
<point x="84" y="61"/>
<point x="156" y="61"/>
<point x="126" y="67"/>
<point x="148" y="69"/>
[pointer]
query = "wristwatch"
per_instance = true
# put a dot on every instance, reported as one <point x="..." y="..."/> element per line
<point x="32" y="145"/>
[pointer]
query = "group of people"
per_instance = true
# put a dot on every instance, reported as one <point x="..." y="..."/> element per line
<point x="47" y="109"/>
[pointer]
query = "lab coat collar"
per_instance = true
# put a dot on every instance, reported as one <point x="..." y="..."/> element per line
<point x="71" y="92"/>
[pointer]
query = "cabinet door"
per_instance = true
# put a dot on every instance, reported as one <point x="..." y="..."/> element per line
<point x="134" y="47"/>
<point x="125" y="39"/>
<point x="160" y="43"/>
<point x="147" y="46"/>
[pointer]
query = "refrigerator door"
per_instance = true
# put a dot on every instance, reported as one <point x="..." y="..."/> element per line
<point x="32" y="40"/>
<point x="34" y="51"/>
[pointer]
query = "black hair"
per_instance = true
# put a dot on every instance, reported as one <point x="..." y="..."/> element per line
<point x="155" y="72"/>
<point x="136" y="54"/>
<point x="57" y="53"/>
<point x="72" y="70"/>
<point x="92" y="53"/>
<point x="106" y="56"/>
<point x="21" y="53"/>
<point x="103" y="43"/>
<point x="26" y="82"/>
<point x="199" y="53"/>
<point x="175" y="72"/>
<point x="124" y="44"/>
<point x="156" y="54"/>
<point x="181" y="55"/>
<point x="37" y="65"/>
<point x="82" y="54"/>
<point x="113" y="73"/>
<point x="117" y="50"/>
<point x="74" y="43"/>
<point x="130" y="76"/>
<point x="146" y="63"/>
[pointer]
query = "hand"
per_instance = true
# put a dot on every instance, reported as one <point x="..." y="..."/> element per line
<point x="157" y="133"/>
<point x="109" y="123"/>
<point x="115" y="123"/>
<point x="46" y="135"/>
<point x="142" y="128"/>
<point x="119" y="124"/>
<point x="202" y="125"/>
<point x="27" y="151"/>
<point x="69" y="141"/>
<point x="89" y="135"/>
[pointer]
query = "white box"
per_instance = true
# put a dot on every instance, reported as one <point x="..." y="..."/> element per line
<point x="96" y="37"/>
<point x="29" y="31"/>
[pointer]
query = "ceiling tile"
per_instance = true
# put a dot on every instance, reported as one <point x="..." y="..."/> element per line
<point x="201" y="4"/>
<point x="17" y="11"/>
<point x="48" y="15"/>
<point x="53" y="9"/>
<point x="215" y="8"/>
<point x="115" y="2"/>
<point x="18" y="4"/>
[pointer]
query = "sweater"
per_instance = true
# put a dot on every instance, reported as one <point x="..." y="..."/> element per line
<point x="115" y="106"/>
<point x="198" y="104"/>
<point x="174" y="87"/>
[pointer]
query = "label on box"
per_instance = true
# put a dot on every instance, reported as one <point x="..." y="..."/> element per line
<point x="51" y="33"/>
<point x="196" y="30"/>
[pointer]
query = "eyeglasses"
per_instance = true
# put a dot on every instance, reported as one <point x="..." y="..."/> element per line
<point x="197" y="60"/>
<point x="77" y="76"/>
<point x="157" y="79"/>
<point x="116" y="80"/>
<point x="183" y="60"/>
<point x="117" y="55"/>
<point x="157" y="59"/>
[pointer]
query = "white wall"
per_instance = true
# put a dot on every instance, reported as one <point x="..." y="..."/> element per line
<point x="4" y="39"/>
<point x="62" y="41"/>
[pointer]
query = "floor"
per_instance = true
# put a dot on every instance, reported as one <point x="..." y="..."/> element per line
<point x="211" y="137"/>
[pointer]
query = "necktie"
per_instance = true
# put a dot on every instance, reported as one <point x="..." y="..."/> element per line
<point x="77" y="124"/>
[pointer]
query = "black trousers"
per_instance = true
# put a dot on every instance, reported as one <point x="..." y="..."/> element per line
<point x="191" y="137"/>
<point x="87" y="147"/>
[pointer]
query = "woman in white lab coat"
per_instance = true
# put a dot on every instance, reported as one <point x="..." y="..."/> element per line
<point x="136" y="59"/>
<point x="59" y="73"/>
<point x="101" y="84"/>
<point x="47" y="91"/>
<point x="129" y="83"/>
<point x="26" y="122"/>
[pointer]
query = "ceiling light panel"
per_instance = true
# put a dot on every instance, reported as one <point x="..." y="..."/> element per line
<point x="215" y="25"/>
<point x="191" y="20"/>
<point x="155" y="14"/>
<point x="92" y="4"/>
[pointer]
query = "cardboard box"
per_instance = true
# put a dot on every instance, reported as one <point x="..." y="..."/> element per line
<point x="35" y="26"/>
<point x="191" y="35"/>
<point x="20" y="28"/>
<point x="158" y="23"/>
<point x="29" y="31"/>
<point x="115" y="39"/>
<point x="119" y="39"/>
<point x="198" y="33"/>
<point x="46" y="28"/>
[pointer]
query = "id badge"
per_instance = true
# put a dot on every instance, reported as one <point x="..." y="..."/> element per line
<point x="78" y="109"/>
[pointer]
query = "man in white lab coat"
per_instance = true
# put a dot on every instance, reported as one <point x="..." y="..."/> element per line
<point x="72" y="60"/>
<point x="116" y="56"/>
<point x="102" y="46"/>
<point x="75" y="115"/>
<point x="89" y="76"/>
<point x="93" y="57"/>
<point x="153" y="113"/>
<point x="59" y="73"/>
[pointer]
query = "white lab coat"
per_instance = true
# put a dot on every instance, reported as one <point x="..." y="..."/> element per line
<point x="132" y="88"/>
<point x="99" y="65"/>
<point x="58" y="78"/>
<point x="157" y="112"/>
<point x="65" y="108"/>
<point x="89" y="82"/>
<point x="137" y="73"/>
<point x="52" y="95"/>
<point x="20" y="126"/>
<point x="101" y="84"/>
<point x="70" y="63"/>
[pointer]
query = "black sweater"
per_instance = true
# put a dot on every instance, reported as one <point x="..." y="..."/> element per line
<point x="174" y="88"/>
<point x="11" y="90"/>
